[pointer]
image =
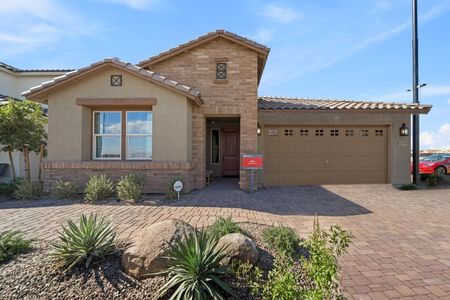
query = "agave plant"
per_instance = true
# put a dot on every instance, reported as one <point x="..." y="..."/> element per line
<point x="194" y="270"/>
<point x="92" y="239"/>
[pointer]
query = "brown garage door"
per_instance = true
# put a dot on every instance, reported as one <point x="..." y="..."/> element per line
<point x="325" y="155"/>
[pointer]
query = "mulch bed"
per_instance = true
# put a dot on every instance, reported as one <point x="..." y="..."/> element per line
<point x="34" y="276"/>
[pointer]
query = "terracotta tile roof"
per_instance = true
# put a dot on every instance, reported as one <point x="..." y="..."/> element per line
<point x="156" y="78"/>
<point x="17" y="70"/>
<point x="204" y="38"/>
<point x="285" y="103"/>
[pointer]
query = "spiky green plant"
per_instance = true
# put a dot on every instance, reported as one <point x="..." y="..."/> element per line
<point x="92" y="239"/>
<point x="194" y="270"/>
<point x="28" y="190"/>
<point x="223" y="226"/>
<point x="130" y="186"/>
<point x="98" y="188"/>
<point x="65" y="189"/>
<point x="12" y="243"/>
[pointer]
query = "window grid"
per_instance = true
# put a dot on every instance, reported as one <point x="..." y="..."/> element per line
<point x="364" y="132"/>
<point x="221" y="71"/>
<point x="379" y="132"/>
<point x="273" y="132"/>
<point x="304" y="132"/>
<point x="288" y="132"/>
<point x="334" y="132"/>
<point x="319" y="132"/>
<point x="349" y="132"/>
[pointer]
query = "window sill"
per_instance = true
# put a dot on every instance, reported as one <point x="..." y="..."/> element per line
<point x="221" y="81"/>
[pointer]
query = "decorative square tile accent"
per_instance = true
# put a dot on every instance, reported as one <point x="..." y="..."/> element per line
<point x="116" y="80"/>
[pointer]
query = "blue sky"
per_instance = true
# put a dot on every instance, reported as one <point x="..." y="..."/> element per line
<point x="353" y="49"/>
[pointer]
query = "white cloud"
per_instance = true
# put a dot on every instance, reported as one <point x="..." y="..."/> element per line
<point x="280" y="14"/>
<point x="38" y="24"/>
<point x="330" y="37"/>
<point x="136" y="4"/>
<point x="263" y="35"/>
<point x="425" y="92"/>
<point x="439" y="139"/>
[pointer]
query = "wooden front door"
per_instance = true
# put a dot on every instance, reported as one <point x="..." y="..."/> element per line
<point x="230" y="152"/>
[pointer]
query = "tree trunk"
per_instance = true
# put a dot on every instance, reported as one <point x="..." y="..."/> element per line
<point x="11" y="163"/>
<point x="26" y="155"/>
<point x="41" y="157"/>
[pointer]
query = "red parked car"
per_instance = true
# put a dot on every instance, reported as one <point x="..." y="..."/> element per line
<point x="438" y="164"/>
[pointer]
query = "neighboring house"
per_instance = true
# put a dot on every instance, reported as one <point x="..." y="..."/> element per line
<point x="196" y="107"/>
<point x="13" y="81"/>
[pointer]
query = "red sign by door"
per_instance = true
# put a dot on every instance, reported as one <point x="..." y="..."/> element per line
<point x="252" y="161"/>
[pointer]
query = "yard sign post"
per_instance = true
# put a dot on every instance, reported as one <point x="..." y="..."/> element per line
<point x="252" y="162"/>
<point x="178" y="186"/>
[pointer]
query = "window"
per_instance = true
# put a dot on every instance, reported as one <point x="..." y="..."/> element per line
<point x="288" y="132"/>
<point x="304" y="132"/>
<point x="319" y="132"/>
<point x="273" y="132"/>
<point x="349" y="132"/>
<point x="107" y="135"/>
<point x="215" y="148"/>
<point x="334" y="132"/>
<point x="364" y="132"/>
<point x="139" y="134"/>
<point x="221" y="71"/>
<point x="379" y="132"/>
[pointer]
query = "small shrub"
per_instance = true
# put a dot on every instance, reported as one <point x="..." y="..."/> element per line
<point x="433" y="179"/>
<point x="194" y="270"/>
<point x="12" y="243"/>
<point x="28" y="190"/>
<point x="7" y="189"/>
<point x="130" y="186"/>
<point x="223" y="226"/>
<point x="283" y="280"/>
<point x="66" y="189"/>
<point x="171" y="194"/>
<point x="409" y="187"/>
<point x="322" y="267"/>
<point x="98" y="188"/>
<point x="282" y="239"/>
<point x="91" y="240"/>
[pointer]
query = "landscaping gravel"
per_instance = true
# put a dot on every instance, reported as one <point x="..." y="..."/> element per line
<point x="34" y="276"/>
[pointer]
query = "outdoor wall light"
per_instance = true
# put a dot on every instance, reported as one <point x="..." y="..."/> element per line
<point x="404" y="130"/>
<point x="258" y="130"/>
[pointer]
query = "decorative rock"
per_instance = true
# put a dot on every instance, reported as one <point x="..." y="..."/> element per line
<point x="239" y="247"/>
<point x="145" y="256"/>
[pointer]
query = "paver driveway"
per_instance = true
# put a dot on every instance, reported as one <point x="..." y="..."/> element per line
<point x="402" y="238"/>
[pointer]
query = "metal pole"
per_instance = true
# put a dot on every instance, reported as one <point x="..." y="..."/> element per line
<point x="415" y="90"/>
<point x="251" y="181"/>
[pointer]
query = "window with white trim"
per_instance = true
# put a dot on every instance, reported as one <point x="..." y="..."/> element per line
<point x="139" y="135"/>
<point x="108" y="136"/>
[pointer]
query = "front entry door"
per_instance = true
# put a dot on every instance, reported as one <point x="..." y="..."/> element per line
<point x="230" y="152"/>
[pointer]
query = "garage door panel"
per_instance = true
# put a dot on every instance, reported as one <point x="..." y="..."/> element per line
<point x="326" y="155"/>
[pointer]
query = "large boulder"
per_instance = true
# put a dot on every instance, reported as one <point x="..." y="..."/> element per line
<point x="145" y="255"/>
<point x="239" y="247"/>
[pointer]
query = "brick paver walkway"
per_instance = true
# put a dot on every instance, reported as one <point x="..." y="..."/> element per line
<point x="402" y="238"/>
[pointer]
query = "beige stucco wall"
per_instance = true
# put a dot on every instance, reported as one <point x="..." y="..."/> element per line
<point x="398" y="148"/>
<point x="70" y="124"/>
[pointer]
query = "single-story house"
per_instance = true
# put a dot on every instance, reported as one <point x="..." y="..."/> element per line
<point x="196" y="107"/>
